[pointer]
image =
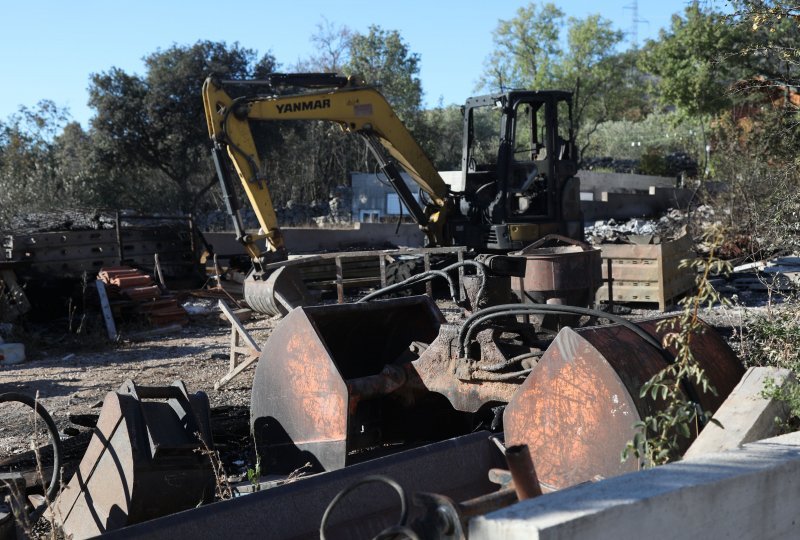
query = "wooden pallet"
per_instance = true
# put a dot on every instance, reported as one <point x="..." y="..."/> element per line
<point x="340" y="270"/>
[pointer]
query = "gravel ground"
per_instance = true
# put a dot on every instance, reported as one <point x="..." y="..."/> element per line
<point x="75" y="383"/>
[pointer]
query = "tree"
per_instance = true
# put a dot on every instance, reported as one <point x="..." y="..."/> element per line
<point x="526" y="48"/>
<point x="439" y="132"/>
<point x="383" y="58"/>
<point x="529" y="54"/>
<point x="156" y="122"/>
<point x="28" y="170"/>
<point x="604" y="85"/>
<point x="320" y="156"/>
<point x="332" y="44"/>
<point x="686" y="61"/>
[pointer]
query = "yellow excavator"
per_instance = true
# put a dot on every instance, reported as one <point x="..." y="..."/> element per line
<point x="518" y="185"/>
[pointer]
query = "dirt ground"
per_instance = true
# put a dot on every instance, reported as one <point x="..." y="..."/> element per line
<point x="72" y="381"/>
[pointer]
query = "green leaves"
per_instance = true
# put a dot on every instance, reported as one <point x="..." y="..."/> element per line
<point x="661" y="436"/>
<point x="531" y="52"/>
<point x="384" y="59"/>
<point x="154" y="124"/>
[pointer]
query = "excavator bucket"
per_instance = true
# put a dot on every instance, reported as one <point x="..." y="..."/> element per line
<point x="319" y="387"/>
<point x="278" y="294"/>
<point x="577" y="408"/>
<point x="146" y="459"/>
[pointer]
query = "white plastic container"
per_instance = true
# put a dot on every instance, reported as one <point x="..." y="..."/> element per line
<point x="11" y="353"/>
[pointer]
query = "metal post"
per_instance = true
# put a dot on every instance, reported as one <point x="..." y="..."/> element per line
<point x="428" y="284"/>
<point x="339" y="280"/>
<point x="382" y="262"/>
<point x="119" y="238"/>
<point x="520" y="465"/>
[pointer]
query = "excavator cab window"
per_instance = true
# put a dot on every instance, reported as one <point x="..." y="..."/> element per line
<point x="484" y="124"/>
<point x="566" y="146"/>
<point x="528" y="179"/>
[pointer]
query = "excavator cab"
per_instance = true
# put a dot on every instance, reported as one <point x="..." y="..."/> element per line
<point x="518" y="165"/>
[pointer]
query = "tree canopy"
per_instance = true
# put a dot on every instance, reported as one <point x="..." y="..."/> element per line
<point x="156" y="121"/>
<point x="532" y="52"/>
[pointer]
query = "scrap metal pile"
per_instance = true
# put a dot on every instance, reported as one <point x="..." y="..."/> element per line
<point x="387" y="398"/>
<point x="144" y="296"/>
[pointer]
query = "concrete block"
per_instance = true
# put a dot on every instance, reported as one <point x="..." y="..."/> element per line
<point x="746" y="415"/>
<point x="614" y="181"/>
<point x="750" y="492"/>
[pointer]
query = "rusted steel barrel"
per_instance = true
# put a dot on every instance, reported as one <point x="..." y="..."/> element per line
<point x="567" y="272"/>
<point x="577" y="408"/>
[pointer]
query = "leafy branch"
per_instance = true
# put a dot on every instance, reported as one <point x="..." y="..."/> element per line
<point x="660" y="437"/>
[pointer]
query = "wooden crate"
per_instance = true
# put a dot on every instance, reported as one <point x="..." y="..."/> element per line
<point x="647" y="272"/>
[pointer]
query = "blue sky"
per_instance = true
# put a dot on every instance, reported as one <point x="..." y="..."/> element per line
<point x="51" y="47"/>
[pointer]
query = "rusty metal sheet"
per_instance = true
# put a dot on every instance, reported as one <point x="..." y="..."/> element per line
<point x="577" y="408"/>
<point x="561" y="269"/>
<point x="456" y="468"/>
<point x="720" y="363"/>
<point x="299" y="400"/>
<point x="301" y="409"/>
<point x="574" y="413"/>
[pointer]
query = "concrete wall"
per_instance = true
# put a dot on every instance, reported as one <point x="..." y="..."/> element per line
<point x="310" y="240"/>
<point x="750" y="492"/>
<point x="620" y="182"/>
<point x="603" y="195"/>
<point x="624" y="196"/>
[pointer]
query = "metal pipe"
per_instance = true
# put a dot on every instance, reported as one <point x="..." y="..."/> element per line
<point x="465" y="334"/>
<point x="523" y="473"/>
<point x="413" y="280"/>
<point x="429" y="274"/>
<point x="486" y="503"/>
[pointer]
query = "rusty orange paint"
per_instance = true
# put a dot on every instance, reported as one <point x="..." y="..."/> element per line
<point x="572" y="405"/>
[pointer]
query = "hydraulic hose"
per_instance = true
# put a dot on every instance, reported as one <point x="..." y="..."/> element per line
<point x="55" y="442"/>
<point x="500" y="366"/>
<point x="466" y="331"/>
<point x="413" y="280"/>
<point x="430" y="274"/>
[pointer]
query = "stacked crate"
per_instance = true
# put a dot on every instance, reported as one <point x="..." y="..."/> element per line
<point x="647" y="273"/>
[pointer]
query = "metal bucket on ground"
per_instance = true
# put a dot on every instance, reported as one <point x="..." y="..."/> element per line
<point x="146" y="459"/>
<point x="276" y="294"/>
<point x="322" y="387"/>
<point x="577" y="408"/>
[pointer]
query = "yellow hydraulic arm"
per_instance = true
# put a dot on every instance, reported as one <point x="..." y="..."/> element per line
<point x="356" y="108"/>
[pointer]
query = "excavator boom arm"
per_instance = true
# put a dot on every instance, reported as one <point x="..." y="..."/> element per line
<point x="358" y="109"/>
